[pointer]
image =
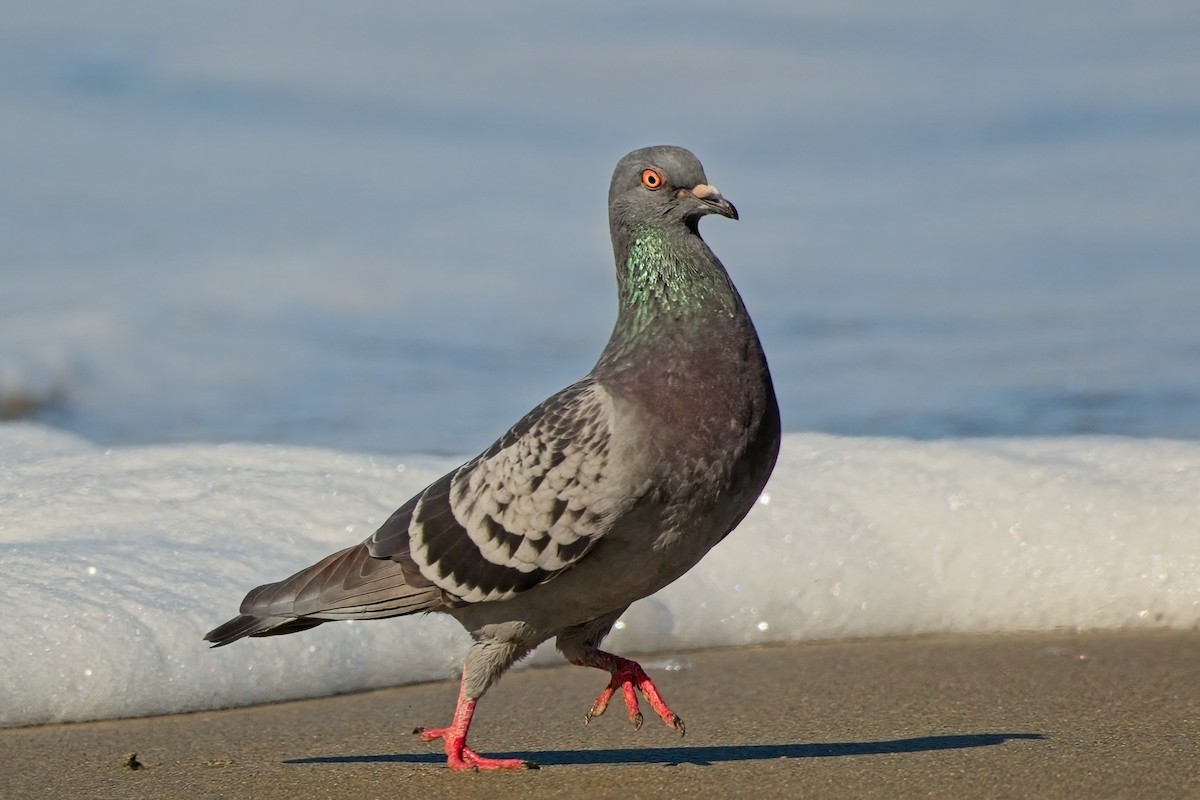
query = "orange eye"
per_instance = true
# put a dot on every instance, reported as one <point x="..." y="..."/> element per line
<point x="652" y="179"/>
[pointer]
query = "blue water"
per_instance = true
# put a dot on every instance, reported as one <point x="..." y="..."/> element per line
<point x="377" y="227"/>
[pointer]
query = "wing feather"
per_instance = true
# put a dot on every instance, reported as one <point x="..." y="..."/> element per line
<point x="526" y="509"/>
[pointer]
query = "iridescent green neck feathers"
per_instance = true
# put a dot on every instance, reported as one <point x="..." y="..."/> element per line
<point x="672" y="280"/>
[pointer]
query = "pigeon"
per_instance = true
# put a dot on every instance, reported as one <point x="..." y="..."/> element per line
<point x="605" y="493"/>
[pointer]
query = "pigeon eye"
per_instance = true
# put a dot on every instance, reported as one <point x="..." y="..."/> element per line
<point x="652" y="179"/>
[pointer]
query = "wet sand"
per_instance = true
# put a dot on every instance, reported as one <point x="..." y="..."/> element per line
<point x="1020" y="716"/>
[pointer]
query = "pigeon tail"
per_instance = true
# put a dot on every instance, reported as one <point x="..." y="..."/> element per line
<point x="250" y="625"/>
<point x="350" y="584"/>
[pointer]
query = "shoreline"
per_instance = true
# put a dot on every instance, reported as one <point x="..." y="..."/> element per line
<point x="1061" y="714"/>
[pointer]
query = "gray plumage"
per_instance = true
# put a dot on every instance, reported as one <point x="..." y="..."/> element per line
<point x="603" y="494"/>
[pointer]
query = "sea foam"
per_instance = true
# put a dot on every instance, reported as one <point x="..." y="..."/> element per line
<point x="116" y="561"/>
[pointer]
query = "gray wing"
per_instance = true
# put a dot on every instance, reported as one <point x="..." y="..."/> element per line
<point x="522" y="512"/>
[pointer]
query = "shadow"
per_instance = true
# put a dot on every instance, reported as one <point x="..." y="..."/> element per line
<point x="670" y="756"/>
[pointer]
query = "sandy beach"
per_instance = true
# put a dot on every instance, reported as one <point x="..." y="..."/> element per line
<point x="1018" y="716"/>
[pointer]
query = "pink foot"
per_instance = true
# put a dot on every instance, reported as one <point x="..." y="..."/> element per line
<point x="629" y="677"/>
<point x="459" y="757"/>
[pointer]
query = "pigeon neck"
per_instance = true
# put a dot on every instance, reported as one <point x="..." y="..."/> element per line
<point x="669" y="282"/>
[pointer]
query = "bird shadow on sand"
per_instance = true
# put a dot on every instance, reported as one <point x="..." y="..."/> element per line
<point x="670" y="756"/>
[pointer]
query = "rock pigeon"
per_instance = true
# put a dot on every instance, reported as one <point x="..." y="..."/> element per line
<point x="603" y="494"/>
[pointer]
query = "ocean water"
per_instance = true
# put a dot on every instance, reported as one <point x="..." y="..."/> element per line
<point x="256" y="259"/>
<point x="384" y="228"/>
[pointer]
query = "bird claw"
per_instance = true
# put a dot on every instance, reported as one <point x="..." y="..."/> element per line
<point x="429" y="734"/>
<point x="630" y="678"/>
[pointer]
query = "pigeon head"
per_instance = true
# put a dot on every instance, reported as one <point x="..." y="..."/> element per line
<point x="662" y="185"/>
<point x="669" y="283"/>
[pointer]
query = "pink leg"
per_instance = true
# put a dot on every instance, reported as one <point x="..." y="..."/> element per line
<point x="458" y="755"/>
<point x="629" y="677"/>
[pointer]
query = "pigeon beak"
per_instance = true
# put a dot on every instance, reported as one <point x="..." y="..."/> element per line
<point x="713" y="202"/>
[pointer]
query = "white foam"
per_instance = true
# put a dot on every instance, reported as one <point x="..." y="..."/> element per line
<point x="117" y="561"/>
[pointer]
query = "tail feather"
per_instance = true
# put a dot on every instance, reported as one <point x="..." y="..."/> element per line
<point x="249" y="625"/>
<point x="349" y="584"/>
